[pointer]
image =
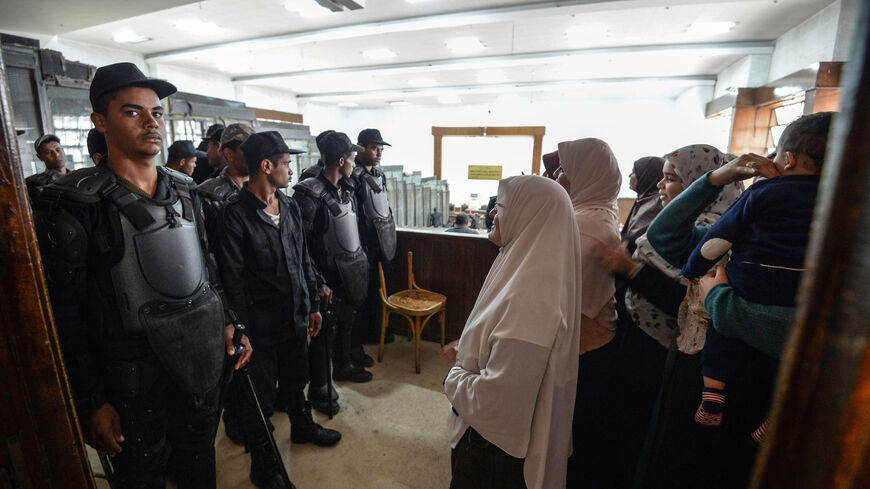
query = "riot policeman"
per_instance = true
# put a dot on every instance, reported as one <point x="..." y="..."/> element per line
<point x="329" y="215"/>
<point x="377" y="228"/>
<point x="143" y="332"/>
<point x="266" y="270"/>
<point x="315" y="169"/>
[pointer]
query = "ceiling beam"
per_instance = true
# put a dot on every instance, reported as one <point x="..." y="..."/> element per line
<point x="436" y="21"/>
<point x="503" y="87"/>
<point x="479" y="62"/>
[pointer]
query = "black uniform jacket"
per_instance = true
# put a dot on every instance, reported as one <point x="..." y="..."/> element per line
<point x="266" y="271"/>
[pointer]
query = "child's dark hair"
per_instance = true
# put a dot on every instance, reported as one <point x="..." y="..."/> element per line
<point x="807" y="135"/>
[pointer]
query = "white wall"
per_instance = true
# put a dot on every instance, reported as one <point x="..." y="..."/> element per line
<point x="267" y="98"/>
<point x="195" y="81"/>
<point x="748" y="71"/>
<point x="633" y="129"/>
<point x="810" y="42"/>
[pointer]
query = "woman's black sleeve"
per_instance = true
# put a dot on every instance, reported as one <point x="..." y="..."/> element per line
<point x="662" y="291"/>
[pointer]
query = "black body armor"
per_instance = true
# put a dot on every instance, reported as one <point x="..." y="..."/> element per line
<point x="344" y="253"/>
<point x="376" y="212"/>
<point x="161" y="285"/>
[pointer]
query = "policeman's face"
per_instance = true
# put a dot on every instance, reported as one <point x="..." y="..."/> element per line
<point x="347" y="165"/>
<point x="188" y="165"/>
<point x="236" y="159"/>
<point x="372" y="154"/>
<point x="214" y="154"/>
<point x="280" y="173"/>
<point x="133" y="123"/>
<point x="51" y="153"/>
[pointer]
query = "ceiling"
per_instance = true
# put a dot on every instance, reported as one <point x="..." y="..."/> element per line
<point x="523" y="45"/>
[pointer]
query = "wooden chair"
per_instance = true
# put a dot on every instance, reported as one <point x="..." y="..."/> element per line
<point x="415" y="304"/>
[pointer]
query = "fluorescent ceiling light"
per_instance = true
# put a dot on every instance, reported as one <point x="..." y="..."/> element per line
<point x="379" y="54"/>
<point x="129" y="37"/>
<point x="586" y="32"/>
<point x="398" y="103"/>
<point x="465" y="45"/>
<point x="491" y="76"/>
<point x="710" y="27"/>
<point x="308" y="9"/>
<point x="786" y="91"/>
<point x="198" y="27"/>
<point x="348" y="104"/>
<point x="449" y="99"/>
<point x="422" y="81"/>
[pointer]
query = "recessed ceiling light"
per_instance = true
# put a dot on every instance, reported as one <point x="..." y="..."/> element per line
<point x="398" y="103"/>
<point x="198" y="27"/>
<point x="308" y="9"/>
<point x="129" y="37"/>
<point x="465" y="45"/>
<point x="348" y="104"/>
<point x="379" y="54"/>
<point x="710" y="27"/>
<point x="491" y="76"/>
<point x="422" y="81"/>
<point x="449" y="99"/>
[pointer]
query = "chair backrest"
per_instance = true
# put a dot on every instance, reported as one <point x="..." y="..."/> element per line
<point x="383" y="288"/>
<point x="411" y="281"/>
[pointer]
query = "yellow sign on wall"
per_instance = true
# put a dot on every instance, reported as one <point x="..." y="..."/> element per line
<point x="484" y="172"/>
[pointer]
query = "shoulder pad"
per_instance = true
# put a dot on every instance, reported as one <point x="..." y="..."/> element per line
<point x="215" y="189"/>
<point x="81" y="185"/>
<point x="233" y="198"/>
<point x="312" y="187"/>
<point x="178" y="176"/>
<point x="358" y="171"/>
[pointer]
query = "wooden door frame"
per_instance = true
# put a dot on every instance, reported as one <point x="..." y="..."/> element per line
<point x="537" y="132"/>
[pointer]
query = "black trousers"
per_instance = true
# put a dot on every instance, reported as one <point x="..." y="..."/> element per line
<point x="163" y="427"/>
<point x="284" y="361"/>
<point x="478" y="464"/>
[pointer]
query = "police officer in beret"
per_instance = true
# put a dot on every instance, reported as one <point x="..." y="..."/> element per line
<point x="144" y="335"/>
<point x="264" y="261"/>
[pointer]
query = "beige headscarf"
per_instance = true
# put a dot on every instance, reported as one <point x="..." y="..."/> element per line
<point x="528" y="298"/>
<point x="593" y="172"/>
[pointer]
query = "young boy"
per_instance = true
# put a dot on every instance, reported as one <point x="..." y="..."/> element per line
<point x="766" y="230"/>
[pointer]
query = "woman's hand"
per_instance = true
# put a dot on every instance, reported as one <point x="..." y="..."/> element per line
<point x="712" y="279"/>
<point x="449" y="352"/>
<point x="746" y="166"/>
<point x="615" y="259"/>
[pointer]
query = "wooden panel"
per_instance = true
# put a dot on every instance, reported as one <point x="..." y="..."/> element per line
<point x="437" y="163"/>
<point x="537" y="150"/>
<point x="820" y="432"/>
<point x="457" y="131"/>
<point x="516" y="131"/>
<point x="823" y="100"/>
<point x="746" y="135"/>
<point x="452" y="264"/>
<point x="277" y="115"/>
<point x="40" y="444"/>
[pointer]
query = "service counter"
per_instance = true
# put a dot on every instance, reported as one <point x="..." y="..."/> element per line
<point x="452" y="264"/>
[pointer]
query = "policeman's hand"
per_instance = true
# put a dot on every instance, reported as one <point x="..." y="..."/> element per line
<point x="229" y="331"/>
<point x="712" y="279"/>
<point x="103" y="430"/>
<point x="746" y="166"/>
<point x="325" y="294"/>
<point x="315" y="321"/>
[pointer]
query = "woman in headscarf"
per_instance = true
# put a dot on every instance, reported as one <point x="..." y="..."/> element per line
<point x="551" y="165"/>
<point x="591" y="176"/>
<point x="648" y="317"/>
<point x="645" y="176"/>
<point x="685" y="454"/>
<point x="513" y="385"/>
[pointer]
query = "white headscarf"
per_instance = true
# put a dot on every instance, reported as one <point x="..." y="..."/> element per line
<point x="690" y="163"/>
<point x="531" y="297"/>
<point x="594" y="175"/>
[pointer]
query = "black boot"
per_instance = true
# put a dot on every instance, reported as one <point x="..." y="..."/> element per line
<point x="320" y="402"/>
<point x="265" y="472"/>
<point x="352" y="372"/>
<point x="359" y="357"/>
<point x="303" y="429"/>
<point x="233" y="428"/>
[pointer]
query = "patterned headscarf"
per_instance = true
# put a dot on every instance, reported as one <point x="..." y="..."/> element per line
<point x="690" y="163"/>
